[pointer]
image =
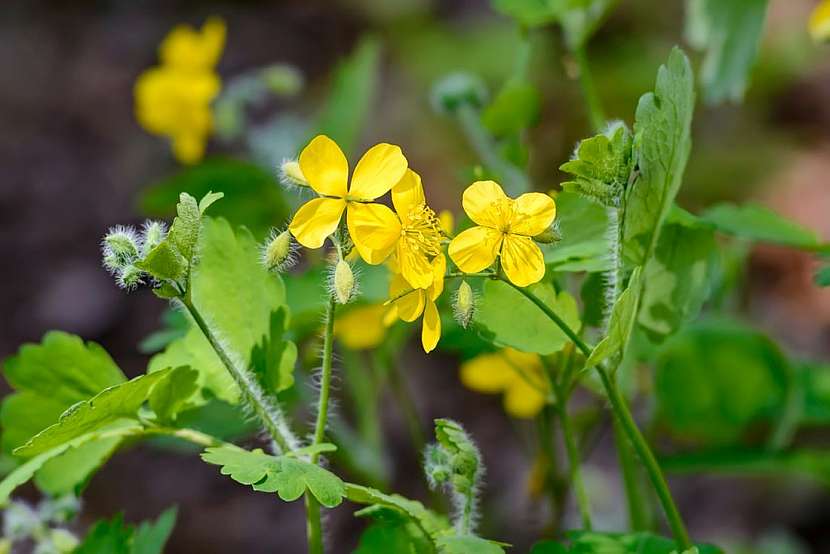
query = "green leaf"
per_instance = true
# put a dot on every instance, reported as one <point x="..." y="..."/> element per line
<point x="391" y="532"/>
<point x="466" y="545"/>
<point x="662" y="142"/>
<point x="164" y="262"/>
<point x="184" y="232"/>
<point x="236" y="295"/>
<point x="587" y="542"/>
<point x="581" y="18"/>
<point x="679" y="278"/>
<point x="274" y="357"/>
<point x="601" y="166"/>
<point x="150" y="537"/>
<point x="431" y="523"/>
<point x="760" y="224"/>
<point x="582" y="224"/>
<point x="530" y="13"/>
<point x="620" y="325"/>
<point x="170" y="395"/>
<point x="288" y="477"/>
<point x="515" y="108"/>
<point x="814" y="385"/>
<point x="822" y="277"/>
<point x="548" y="547"/>
<point x="251" y="195"/>
<point x="24" y="472"/>
<point x="63" y="474"/>
<point x="208" y="199"/>
<point x="108" y="406"/>
<point x="352" y="96"/>
<point x="107" y="537"/>
<point x="715" y="379"/>
<point x="506" y="318"/>
<point x="729" y="32"/>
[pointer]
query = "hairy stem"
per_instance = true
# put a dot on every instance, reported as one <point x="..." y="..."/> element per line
<point x="626" y="421"/>
<point x="589" y="91"/>
<point x="314" y="527"/>
<point x="514" y="179"/>
<point x="266" y="410"/>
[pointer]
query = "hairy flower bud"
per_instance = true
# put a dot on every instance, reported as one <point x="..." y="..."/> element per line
<point x="278" y="252"/>
<point x="343" y="283"/>
<point x="130" y="277"/>
<point x="151" y="235"/>
<point x="291" y="175"/>
<point x="120" y="248"/>
<point x="463" y="305"/>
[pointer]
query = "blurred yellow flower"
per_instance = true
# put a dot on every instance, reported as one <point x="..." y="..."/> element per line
<point x="447" y="221"/>
<point x="410" y="304"/>
<point x="505" y="228"/>
<point x="819" y="24"/>
<point x="414" y="235"/>
<point x="518" y="375"/>
<point x="173" y="99"/>
<point x="363" y="327"/>
<point x="326" y="169"/>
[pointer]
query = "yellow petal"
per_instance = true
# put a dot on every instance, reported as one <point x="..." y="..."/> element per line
<point x="361" y="328"/>
<point x="447" y="221"/>
<point x="414" y="266"/>
<point x="408" y="193"/>
<point x="380" y="168"/>
<point x="475" y="248"/>
<point x="820" y="22"/>
<point x="325" y="166"/>
<point x="189" y="147"/>
<point x="486" y="204"/>
<point x="439" y="268"/>
<point x="533" y="213"/>
<point x="411" y="305"/>
<point x="487" y="373"/>
<point x="522" y="261"/>
<point x="374" y="229"/>
<point x="523" y="401"/>
<point x="187" y="49"/>
<point x="430" y="327"/>
<point x="316" y="220"/>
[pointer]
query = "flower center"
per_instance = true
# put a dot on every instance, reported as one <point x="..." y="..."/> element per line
<point x="504" y="210"/>
<point x="422" y="231"/>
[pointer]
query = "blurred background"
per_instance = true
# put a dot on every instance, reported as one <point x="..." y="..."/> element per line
<point x="75" y="162"/>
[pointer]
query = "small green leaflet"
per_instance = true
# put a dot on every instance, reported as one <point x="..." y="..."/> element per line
<point x="760" y="224"/>
<point x="506" y="318"/>
<point x="623" y="316"/>
<point x="431" y="523"/>
<point x="601" y="166"/>
<point x="273" y="358"/>
<point x="662" y="142"/>
<point x="352" y="94"/>
<point x="289" y="477"/>
<point x="391" y="531"/>
<point x="641" y="543"/>
<point x="467" y="545"/>
<point x="106" y="407"/>
<point x="116" y="537"/>
<point x="729" y="32"/>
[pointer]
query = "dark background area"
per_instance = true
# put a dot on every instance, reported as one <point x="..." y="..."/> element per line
<point x="74" y="160"/>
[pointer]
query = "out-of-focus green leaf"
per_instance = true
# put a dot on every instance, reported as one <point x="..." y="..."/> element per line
<point x="107" y="537"/>
<point x="760" y="224"/>
<point x="823" y="276"/>
<point x="391" y="531"/>
<point x="467" y="544"/>
<point x="288" y="477"/>
<point x="620" y="325"/>
<point x="678" y="278"/>
<point x="582" y="224"/>
<point x="548" y="547"/>
<point x="64" y="473"/>
<point x="579" y="18"/>
<point x="662" y="142"/>
<point x="273" y="358"/>
<point x="587" y="542"/>
<point x="531" y="13"/>
<point x="715" y="379"/>
<point x="515" y="108"/>
<point x="108" y="406"/>
<point x="252" y="196"/>
<point x="426" y="520"/>
<point x="236" y="295"/>
<point x="729" y="31"/>
<point x="814" y="384"/>
<point x="174" y="325"/>
<point x="352" y="96"/>
<point x="506" y="318"/>
<point x="151" y="536"/>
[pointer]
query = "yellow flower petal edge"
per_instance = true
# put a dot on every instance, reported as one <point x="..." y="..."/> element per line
<point x="325" y="167"/>
<point x="380" y="168"/>
<point x="316" y="220"/>
<point x="819" y="24"/>
<point x="374" y="229"/>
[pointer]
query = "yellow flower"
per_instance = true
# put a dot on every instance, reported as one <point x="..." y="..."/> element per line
<point x="518" y="375"/>
<point x="820" y="22"/>
<point x="173" y="99"/>
<point x="411" y="306"/>
<point x="415" y="234"/>
<point x="505" y="228"/>
<point x="363" y="327"/>
<point x="325" y="168"/>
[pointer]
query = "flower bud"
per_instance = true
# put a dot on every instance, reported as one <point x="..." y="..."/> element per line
<point x="130" y="277"/>
<point x="152" y="235"/>
<point x="278" y="252"/>
<point x="343" y="282"/>
<point x="120" y="248"/>
<point x="548" y="236"/>
<point x="291" y="175"/>
<point x="463" y="305"/>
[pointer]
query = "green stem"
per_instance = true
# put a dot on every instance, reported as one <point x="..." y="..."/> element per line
<point x="314" y="527"/>
<point x="407" y="406"/>
<point x="515" y="181"/>
<point x="626" y="421"/>
<point x="574" y="464"/>
<point x="190" y="435"/>
<point x="638" y="518"/>
<point x="586" y="81"/>
<point x="266" y="410"/>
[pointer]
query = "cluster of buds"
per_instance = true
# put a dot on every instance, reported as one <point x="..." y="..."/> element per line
<point x="123" y="247"/>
